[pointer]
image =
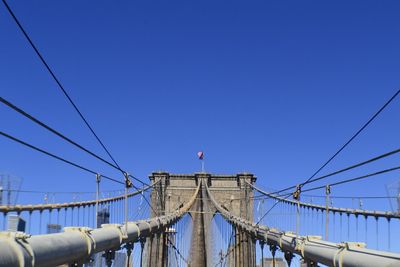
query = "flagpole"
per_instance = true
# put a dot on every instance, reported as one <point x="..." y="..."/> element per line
<point x="200" y="154"/>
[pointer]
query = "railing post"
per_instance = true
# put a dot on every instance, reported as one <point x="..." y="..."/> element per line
<point x="98" y="179"/>
<point x="296" y="196"/>
<point x="128" y="184"/>
<point x="327" y="192"/>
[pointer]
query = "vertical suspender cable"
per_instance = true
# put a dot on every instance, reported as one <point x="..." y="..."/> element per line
<point x="356" y="227"/>
<point x="377" y="233"/>
<point x="30" y="222"/>
<point x="40" y="222"/>
<point x="388" y="220"/>
<point x="348" y="226"/>
<point x="65" y="217"/>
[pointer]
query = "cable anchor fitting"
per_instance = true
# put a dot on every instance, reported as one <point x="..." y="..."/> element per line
<point x="128" y="182"/>
<point x="297" y="192"/>
<point x="98" y="178"/>
<point x="327" y="189"/>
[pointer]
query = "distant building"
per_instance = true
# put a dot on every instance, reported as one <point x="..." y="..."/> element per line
<point x="9" y="185"/>
<point x="15" y="223"/>
<point x="103" y="217"/>
<point x="53" y="228"/>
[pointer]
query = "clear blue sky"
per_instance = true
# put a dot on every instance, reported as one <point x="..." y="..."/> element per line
<point x="272" y="88"/>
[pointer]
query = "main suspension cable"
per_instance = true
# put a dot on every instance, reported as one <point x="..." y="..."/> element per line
<point x="55" y="78"/>
<point x="51" y="72"/>
<point x="393" y="152"/>
<point x="354" y="179"/>
<point x="354" y="136"/>
<point x="56" y="157"/>
<point x="310" y="179"/>
<point x="62" y="136"/>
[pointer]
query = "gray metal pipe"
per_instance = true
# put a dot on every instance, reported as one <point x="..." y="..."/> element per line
<point x="77" y="244"/>
<point x="312" y="247"/>
<point x="332" y="254"/>
<point x="8" y="252"/>
<point x="53" y="249"/>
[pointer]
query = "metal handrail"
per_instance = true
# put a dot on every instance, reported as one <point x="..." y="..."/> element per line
<point x="77" y="244"/>
<point x="357" y="212"/>
<point x="59" y="206"/>
<point x="312" y="248"/>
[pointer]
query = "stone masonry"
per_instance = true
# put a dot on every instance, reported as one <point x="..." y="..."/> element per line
<point x="231" y="191"/>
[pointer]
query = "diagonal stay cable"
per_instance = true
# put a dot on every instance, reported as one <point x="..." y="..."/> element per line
<point x="61" y="86"/>
<point x="146" y="200"/>
<point x="227" y="250"/>
<point x="354" y="179"/>
<point x="177" y="250"/>
<point x="393" y="152"/>
<point x="273" y="206"/>
<point x="37" y="121"/>
<point x="137" y="179"/>
<point x="354" y="136"/>
<point x="340" y="182"/>
<point x="264" y="196"/>
<point x="62" y="136"/>
<point x="310" y="179"/>
<point x="56" y="157"/>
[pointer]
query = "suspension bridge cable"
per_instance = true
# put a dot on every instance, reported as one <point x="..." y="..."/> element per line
<point x="376" y="214"/>
<point x="352" y="197"/>
<point x="264" y="196"/>
<point x="393" y="152"/>
<point x="346" y="144"/>
<point x="147" y="201"/>
<point x="229" y="248"/>
<point x="354" y="136"/>
<point x="62" y="87"/>
<point x="137" y="179"/>
<point x="273" y="206"/>
<point x="60" y="192"/>
<point x="354" y="179"/>
<point x="57" y="157"/>
<point x="177" y="250"/>
<point x="62" y="136"/>
<point x="37" y="121"/>
<point x="55" y="78"/>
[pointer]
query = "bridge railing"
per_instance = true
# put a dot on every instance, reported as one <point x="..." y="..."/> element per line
<point x="357" y="212"/>
<point x="67" y="205"/>
<point x="77" y="244"/>
<point x="311" y="248"/>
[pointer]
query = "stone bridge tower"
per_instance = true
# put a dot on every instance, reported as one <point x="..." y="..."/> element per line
<point x="231" y="191"/>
